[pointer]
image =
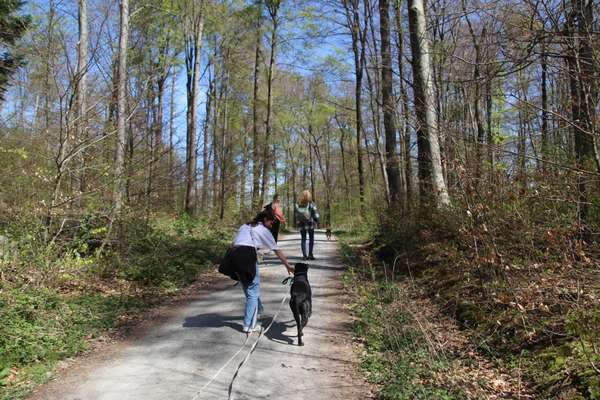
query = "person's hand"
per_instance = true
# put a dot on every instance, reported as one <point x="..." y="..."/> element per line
<point x="290" y="269"/>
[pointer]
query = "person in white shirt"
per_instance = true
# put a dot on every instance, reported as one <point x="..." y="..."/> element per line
<point x="251" y="237"/>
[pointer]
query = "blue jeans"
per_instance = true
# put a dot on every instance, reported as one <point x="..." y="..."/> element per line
<point x="311" y="241"/>
<point x="253" y="304"/>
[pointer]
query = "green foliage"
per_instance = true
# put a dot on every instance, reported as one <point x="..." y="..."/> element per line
<point x="55" y="296"/>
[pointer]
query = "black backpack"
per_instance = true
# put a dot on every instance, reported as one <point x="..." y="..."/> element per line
<point x="227" y="267"/>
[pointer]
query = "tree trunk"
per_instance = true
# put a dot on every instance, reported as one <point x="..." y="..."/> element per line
<point x="490" y="134"/>
<point x="373" y="89"/>
<point x="273" y="8"/>
<point x="405" y="134"/>
<point x="255" y="138"/>
<point x="544" y="106"/>
<point x="205" y="134"/>
<point x="243" y="174"/>
<point x="343" y="154"/>
<point x="171" y="184"/>
<point x="193" y="55"/>
<point x="81" y="91"/>
<point x="121" y="103"/>
<point x="391" y="156"/>
<point x="358" y="49"/>
<point x="477" y="113"/>
<point x="583" y="96"/>
<point x="224" y="141"/>
<point x="429" y="149"/>
<point x="521" y="148"/>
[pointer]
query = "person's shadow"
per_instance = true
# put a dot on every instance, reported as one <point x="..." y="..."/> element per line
<point x="213" y="320"/>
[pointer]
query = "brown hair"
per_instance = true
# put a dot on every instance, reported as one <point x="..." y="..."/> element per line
<point x="266" y="214"/>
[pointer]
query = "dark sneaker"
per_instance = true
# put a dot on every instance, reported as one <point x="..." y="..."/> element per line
<point x="311" y="257"/>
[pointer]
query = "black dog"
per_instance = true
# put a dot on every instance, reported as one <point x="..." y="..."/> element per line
<point x="301" y="298"/>
<point x="328" y="233"/>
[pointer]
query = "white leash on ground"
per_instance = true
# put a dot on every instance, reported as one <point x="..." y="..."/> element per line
<point x="237" y="353"/>
<point x="262" y="332"/>
<point x="221" y="369"/>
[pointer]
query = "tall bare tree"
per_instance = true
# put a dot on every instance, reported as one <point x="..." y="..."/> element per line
<point x="431" y="177"/>
<point x="193" y="45"/>
<point x="389" y="107"/>
<point x="273" y="9"/>
<point x="121" y="78"/>
<point x="81" y="87"/>
<point x="404" y="132"/>
<point x="583" y="88"/>
<point x="359" y="37"/>
<point x="255" y="137"/>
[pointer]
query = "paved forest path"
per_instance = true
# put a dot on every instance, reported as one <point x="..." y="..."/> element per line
<point x="179" y="357"/>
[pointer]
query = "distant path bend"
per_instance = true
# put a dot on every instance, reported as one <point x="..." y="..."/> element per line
<point x="194" y="354"/>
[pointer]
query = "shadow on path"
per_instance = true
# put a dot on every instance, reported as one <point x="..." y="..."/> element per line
<point x="277" y="330"/>
<point x="213" y="320"/>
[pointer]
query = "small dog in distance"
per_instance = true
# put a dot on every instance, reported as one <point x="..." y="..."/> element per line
<point x="328" y="233"/>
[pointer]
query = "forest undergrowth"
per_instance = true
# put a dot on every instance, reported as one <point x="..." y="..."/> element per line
<point x="59" y="294"/>
<point x="514" y="276"/>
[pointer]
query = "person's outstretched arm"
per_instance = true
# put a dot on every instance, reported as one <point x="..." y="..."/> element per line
<point x="283" y="258"/>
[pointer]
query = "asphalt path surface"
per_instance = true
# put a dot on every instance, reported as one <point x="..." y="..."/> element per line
<point x="199" y="352"/>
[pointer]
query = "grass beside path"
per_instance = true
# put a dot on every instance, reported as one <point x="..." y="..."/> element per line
<point x="408" y="348"/>
<point x="55" y="301"/>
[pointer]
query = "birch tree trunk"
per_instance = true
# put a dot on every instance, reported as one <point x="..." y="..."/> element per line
<point x="424" y="103"/>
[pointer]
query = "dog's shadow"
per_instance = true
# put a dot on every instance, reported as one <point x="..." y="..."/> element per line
<point x="277" y="330"/>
